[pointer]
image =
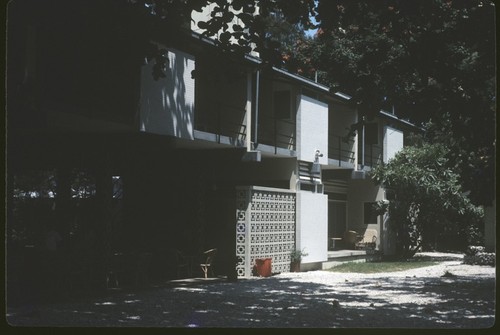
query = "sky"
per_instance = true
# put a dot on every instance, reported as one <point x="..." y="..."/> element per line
<point x="311" y="32"/>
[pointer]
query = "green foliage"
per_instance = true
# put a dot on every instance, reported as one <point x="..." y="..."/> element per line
<point x="476" y="255"/>
<point x="296" y="255"/>
<point x="468" y="154"/>
<point x="429" y="205"/>
<point x="256" y="26"/>
<point x="430" y="60"/>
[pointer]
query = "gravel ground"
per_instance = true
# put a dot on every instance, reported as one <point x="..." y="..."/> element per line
<point x="417" y="298"/>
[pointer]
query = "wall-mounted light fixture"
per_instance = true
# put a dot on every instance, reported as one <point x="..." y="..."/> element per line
<point x="316" y="168"/>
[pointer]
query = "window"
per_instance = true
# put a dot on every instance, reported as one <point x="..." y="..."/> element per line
<point x="370" y="216"/>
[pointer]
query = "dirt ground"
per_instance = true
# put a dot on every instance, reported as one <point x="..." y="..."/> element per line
<point x="449" y="295"/>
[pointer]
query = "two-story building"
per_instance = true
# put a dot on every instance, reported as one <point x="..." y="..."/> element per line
<point x="219" y="153"/>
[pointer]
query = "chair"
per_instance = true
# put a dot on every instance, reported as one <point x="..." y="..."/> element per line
<point x="369" y="240"/>
<point x="209" y="261"/>
<point x="350" y="239"/>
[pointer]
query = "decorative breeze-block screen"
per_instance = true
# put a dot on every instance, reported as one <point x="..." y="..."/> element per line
<point x="265" y="227"/>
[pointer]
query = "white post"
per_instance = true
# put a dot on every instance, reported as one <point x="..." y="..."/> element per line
<point x="356" y="139"/>
<point x="248" y="107"/>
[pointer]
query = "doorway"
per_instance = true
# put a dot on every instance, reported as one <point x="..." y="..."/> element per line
<point x="337" y="221"/>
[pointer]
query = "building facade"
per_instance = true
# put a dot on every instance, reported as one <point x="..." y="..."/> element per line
<point x="218" y="153"/>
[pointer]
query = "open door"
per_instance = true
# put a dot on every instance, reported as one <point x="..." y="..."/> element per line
<point x="337" y="220"/>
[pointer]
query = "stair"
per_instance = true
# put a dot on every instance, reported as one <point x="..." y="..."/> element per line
<point x="341" y="256"/>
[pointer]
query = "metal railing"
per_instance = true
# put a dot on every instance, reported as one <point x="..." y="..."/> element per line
<point x="223" y="120"/>
<point x="341" y="149"/>
<point x="278" y="133"/>
<point x="372" y="157"/>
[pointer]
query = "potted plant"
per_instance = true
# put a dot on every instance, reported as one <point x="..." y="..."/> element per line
<point x="296" y="259"/>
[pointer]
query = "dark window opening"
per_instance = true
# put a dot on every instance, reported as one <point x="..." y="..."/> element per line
<point x="371" y="133"/>
<point x="282" y="104"/>
<point x="370" y="216"/>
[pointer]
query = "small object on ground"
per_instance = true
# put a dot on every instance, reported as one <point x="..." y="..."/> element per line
<point x="448" y="274"/>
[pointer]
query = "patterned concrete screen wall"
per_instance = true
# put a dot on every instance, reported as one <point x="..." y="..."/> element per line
<point x="265" y="227"/>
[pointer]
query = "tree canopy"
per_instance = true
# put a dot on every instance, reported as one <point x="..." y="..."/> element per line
<point x="432" y="62"/>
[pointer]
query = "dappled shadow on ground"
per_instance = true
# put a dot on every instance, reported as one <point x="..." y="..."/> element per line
<point x="402" y="302"/>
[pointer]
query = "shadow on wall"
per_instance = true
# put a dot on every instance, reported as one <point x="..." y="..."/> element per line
<point x="167" y="104"/>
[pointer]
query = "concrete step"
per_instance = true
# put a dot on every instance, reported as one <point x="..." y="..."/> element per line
<point x="342" y="256"/>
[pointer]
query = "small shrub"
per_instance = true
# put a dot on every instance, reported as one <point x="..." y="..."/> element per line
<point x="474" y="250"/>
<point x="475" y="255"/>
<point x="296" y="255"/>
<point x="448" y="274"/>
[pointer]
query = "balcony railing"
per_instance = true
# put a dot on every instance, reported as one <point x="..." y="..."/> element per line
<point x="373" y="156"/>
<point x="278" y="133"/>
<point x="341" y="150"/>
<point x="222" y="120"/>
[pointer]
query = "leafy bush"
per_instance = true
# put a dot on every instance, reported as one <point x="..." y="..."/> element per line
<point x="428" y="209"/>
<point x="296" y="255"/>
<point x="475" y="255"/>
<point x="474" y="250"/>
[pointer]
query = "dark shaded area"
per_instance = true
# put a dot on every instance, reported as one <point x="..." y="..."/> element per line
<point x="459" y="302"/>
<point x="169" y="200"/>
<point x="84" y="61"/>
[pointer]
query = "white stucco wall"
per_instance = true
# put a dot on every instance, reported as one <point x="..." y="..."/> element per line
<point x="167" y="104"/>
<point x="393" y="142"/>
<point x="312" y="225"/>
<point x="359" y="192"/>
<point x="312" y="129"/>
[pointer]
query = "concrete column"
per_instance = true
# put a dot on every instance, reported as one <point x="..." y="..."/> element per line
<point x="248" y="108"/>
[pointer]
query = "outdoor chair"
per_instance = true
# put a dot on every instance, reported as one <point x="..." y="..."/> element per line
<point x="368" y="241"/>
<point x="350" y="239"/>
<point x="209" y="257"/>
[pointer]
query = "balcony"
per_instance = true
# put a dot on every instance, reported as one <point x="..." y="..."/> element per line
<point x="372" y="156"/>
<point x="277" y="136"/>
<point x="221" y="123"/>
<point x="341" y="151"/>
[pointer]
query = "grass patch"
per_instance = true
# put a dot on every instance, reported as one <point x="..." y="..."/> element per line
<point x="377" y="267"/>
